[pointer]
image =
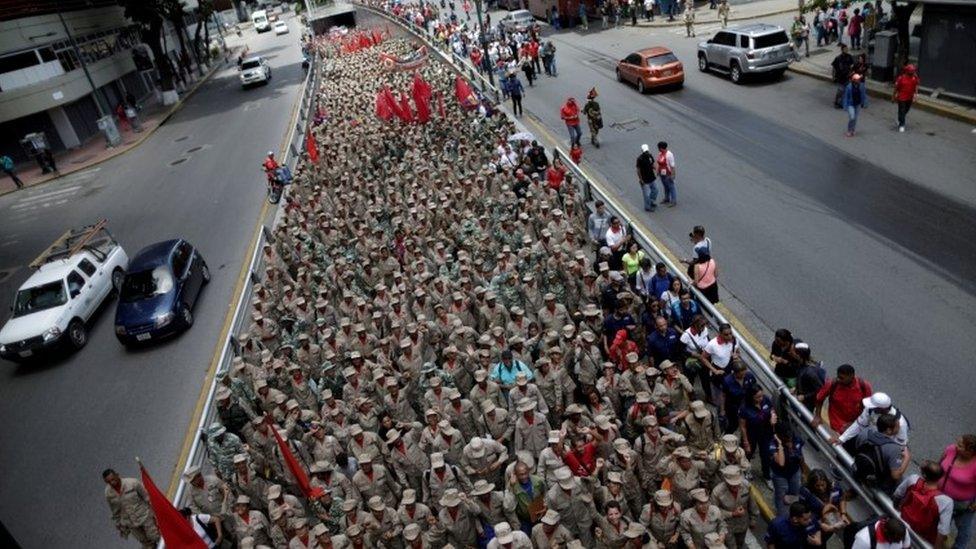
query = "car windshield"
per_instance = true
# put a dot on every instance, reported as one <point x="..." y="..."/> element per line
<point x="146" y="284"/>
<point x="251" y="65"/>
<point x="770" y="40"/>
<point x="662" y="59"/>
<point x="38" y="298"/>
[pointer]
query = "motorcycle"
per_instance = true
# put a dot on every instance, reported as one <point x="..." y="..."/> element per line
<point x="276" y="183"/>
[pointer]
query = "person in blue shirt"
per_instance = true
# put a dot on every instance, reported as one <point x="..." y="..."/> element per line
<point x="664" y="342"/>
<point x="734" y="387"/>
<point x="787" y="452"/>
<point x="794" y="530"/>
<point x="685" y="310"/>
<point x="756" y="419"/>
<point x="661" y="281"/>
<point x="505" y="371"/>
<point x="515" y="91"/>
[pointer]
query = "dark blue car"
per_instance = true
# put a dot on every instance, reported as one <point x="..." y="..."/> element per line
<point x="160" y="288"/>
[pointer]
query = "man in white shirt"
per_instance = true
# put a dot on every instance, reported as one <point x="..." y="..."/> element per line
<point x="875" y="406"/>
<point x="886" y="533"/>
<point x="207" y="527"/>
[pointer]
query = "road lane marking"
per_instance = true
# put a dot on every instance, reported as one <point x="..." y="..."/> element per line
<point x="43" y="196"/>
<point x="191" y="431"/>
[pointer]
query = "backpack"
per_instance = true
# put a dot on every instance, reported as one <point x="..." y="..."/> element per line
<point x="919" y="509"/>
<point x="6" y="163"/>
<point x="869" y="464"/>
<point x="209" y="527"/>
<point x="851" y="530"/>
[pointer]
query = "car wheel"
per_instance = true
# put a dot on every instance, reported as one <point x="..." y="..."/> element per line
<point x="779" y="74"/>
<point x="640" y="86"/>
<point x="118" y="277"/>
<point x="77" y="334"/>
<point x="205" y="273"/>
<point x="702" y="63"/>
<point x="620" y="77"/>
<point x="735" y="73"/>
<point x="186" y="316"/>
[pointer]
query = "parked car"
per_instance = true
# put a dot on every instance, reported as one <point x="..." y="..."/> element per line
<point x="651" y="68"/>
<point x="517" y="21"/>
<point x="748" y="49"/>
<point x="71" y="280"/>
<point x="255" y="70"/>
<point x="280" y="28"/>
<point x="159" y="291"/>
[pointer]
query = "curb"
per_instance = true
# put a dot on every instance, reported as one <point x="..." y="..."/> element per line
<point x="145" y="135"/>
<point x="922" y="103"/>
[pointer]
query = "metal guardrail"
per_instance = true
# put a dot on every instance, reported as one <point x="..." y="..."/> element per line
<point x="800" y="417"/>
<point x="230" y="348"/>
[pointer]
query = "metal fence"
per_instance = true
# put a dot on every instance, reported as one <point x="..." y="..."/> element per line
<point x="838" y="459"/>
<point x="230" y="347"/>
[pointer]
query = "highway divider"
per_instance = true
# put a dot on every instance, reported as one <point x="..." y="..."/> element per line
<point x="800" y="417"/>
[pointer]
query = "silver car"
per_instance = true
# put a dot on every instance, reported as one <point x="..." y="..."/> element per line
<point x="748" y="49"/>
<point x="518" y="21"/>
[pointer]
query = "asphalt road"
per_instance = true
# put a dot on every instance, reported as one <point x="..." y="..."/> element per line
<point x="862" y="247"/>
<point x="197" y="177"/>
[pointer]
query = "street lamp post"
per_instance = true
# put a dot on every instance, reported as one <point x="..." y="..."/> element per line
<point x="84" y="66"/>
<point x="484" y="43"/>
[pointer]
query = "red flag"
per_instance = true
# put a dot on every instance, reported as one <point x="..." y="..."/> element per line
<point x="420" y="87"/>
<point x="377" y="36"/>
<point x="465" y="95"/>
<point x="175" y="529"/>
<point x="296" y="469"/>
<point x="383" y="110"/>
<point x="392" y="103"/>
<point x="406" y="114"/>
<point x="312" y="147"/>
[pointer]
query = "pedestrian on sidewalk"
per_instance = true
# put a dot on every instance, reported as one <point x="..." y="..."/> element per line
<point x="723" y="12"/>
<point x="570" y="114"/>
<point x="515" y="92"/>
<point x="906" y="88"/>
<point x="855" y="28"/>
<point x="841" y="65"/>
<point x="649" y="10"/>
<point x="800" y="32"/>
<point x="604" y="15"/>
<point x="855" y="99"/>
<point x="646" y="177"/>
<point x="594" y="116"/>
<point x="689" y="19"/>
<point x="7" y="165"/>
<point x="666" y="169"/>
<point x="633" y="11"/>
<point x="959" y="483"/>
<point x="582" y="16"/>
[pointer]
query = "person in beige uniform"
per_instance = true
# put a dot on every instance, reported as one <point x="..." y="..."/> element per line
<point x="208" y="494"/>
<point x="131" y="513"/>
<point x="662" y="517"/>
<point x="738" y="508"/>
<point x="550" y="533"/>
<point x="701" y="519"/>
<point x="247" y="522"/>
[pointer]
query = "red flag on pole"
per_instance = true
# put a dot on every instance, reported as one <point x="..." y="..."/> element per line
<point x="420" y="87"/>
<point x="440" y="105"/>
<point x="465" y="95"/>
<point x="175" y="529"/>
<point x="392" y="103"/>
<point x="301" y="477"/>
<point x="383" y="110"/>
<point x="312" y="147"/>
<point x="406" y="114"/>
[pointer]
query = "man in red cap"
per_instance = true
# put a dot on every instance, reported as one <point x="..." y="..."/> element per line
<point x="906" y="88"/>
<point x="570" y="114"/>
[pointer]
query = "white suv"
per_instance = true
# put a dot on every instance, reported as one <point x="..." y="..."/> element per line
<point x="72" y="279"/>
<point x="254" y="70"/>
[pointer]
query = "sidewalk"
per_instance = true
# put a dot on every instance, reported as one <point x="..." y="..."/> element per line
<point x="705" y="16"/>
<point x="95" y="150"/>
<point x="818" y="66"/>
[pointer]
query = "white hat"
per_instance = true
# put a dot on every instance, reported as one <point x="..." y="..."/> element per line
<point x="551" y="517"/>
<point x="476" y="448"/>
<point x="503" y="533"/>
<point x="645" y="148"/>
<point x="877" y="400"/>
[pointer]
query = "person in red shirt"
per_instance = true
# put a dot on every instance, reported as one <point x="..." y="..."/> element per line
<point x="844" y="396"/>
<point x="576" y="153"/>
<point x="906" y="88"/>
<point x="270" y="165"/>
<point x="570" y="114"/>
<point x="556" y="174"/>
<point x="534" y="52"/>
<point x="582" y="458"/>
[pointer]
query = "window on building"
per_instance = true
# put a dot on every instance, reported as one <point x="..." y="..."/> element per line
<point x="47" y="55"/>
<point x="18" y="61"/>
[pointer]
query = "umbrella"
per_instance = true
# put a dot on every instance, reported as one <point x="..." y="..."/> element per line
<point x="521" y="136"/>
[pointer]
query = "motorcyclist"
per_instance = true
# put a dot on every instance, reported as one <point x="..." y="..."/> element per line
<point x="270" y="166"/>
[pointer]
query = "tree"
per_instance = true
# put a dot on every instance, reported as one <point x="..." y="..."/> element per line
<point x="204" y="12"/>
<point x="148" y="14"/>
<point x="901" y="13"/>
<point x="175" y="12"/>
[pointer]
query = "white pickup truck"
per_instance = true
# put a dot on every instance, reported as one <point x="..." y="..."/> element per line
<point x="71" y="280"/>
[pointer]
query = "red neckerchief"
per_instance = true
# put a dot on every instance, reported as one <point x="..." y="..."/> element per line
<point x="369" y="474"/>
<point x="734" y="490"/>
<point x="440" y="472"/>
<point x="410" y="512"/>
<point x="246" y="517"/>
<point x="530" y="420"/>
<point x="402" y="447"/>
<point x="453" y="511"/>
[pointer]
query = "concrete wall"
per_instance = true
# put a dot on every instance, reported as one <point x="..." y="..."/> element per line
<point x="63" y="89"/>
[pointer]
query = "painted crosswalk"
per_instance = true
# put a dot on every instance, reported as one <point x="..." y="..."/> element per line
<point x="52" y="195"/>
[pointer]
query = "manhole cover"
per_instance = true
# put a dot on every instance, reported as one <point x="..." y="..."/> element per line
<point x="193" y="150"/>
<point x="5" y="274"/>
<point x="177" y="161"/>
<point x="930" y="134"/>
<point x="184" y="138"/>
